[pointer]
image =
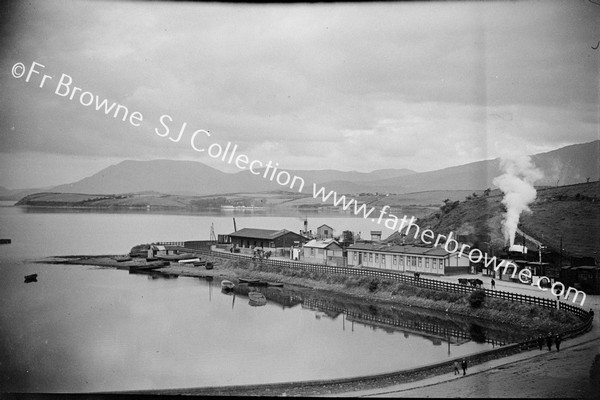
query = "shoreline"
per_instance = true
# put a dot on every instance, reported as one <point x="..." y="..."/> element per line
<point x="229" y="270"/>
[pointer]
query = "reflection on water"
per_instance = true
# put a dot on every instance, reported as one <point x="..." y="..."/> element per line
<point x="95" y="329"/>
<point x="433" y="325"/>
<point x="416" y="211"/>
<point x="82" y="329"/>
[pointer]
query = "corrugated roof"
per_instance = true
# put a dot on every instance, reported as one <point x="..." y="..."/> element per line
<point x="401" y="249"/>
<point x="321" y="244"/>
<point x="268" y="234"/>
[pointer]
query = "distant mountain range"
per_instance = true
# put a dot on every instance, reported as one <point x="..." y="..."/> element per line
<point x="567" y="165"/>
<point x="16" y="194"/>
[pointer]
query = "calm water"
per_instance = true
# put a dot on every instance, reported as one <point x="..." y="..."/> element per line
<point x="82" y="328"/>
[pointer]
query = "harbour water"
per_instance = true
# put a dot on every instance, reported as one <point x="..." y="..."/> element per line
<point x="86" y="329"/>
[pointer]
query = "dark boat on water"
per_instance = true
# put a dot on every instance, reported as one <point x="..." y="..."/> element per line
<point x="5" y="241"/>
<point x="247" y="280"/>
<point x="149" y="266"/>
<point x="227" y="285"/>
<point x="257" y="299"/>
<point x="253" y="282"/>
<point x="31" y="278"/>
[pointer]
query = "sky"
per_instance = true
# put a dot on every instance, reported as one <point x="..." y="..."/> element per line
<point x="347" y="86"/>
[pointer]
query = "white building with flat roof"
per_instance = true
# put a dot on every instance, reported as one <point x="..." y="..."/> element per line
<point x="407" y="258"/>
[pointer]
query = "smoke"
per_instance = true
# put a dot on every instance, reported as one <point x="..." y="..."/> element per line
<point x="517" y="185"/>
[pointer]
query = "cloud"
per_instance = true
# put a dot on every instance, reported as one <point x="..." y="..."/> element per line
<point x="421" y="86"/>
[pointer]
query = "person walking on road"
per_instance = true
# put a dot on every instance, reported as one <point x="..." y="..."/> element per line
<point x="493" y="284"/>
<point x="549" y="341"/>
<point x="557" y="341"/>
<point x="464" y="366"/>
<point x="541" y="342"/>
<point x="456" y="371"/>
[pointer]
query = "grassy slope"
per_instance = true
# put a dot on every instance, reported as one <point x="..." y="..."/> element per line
<point x="572" y="212"/>
<point x="381" y="290"/>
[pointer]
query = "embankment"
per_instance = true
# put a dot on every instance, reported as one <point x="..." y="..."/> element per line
<point x="375" y="291"/>
<point x="534" y="319"/>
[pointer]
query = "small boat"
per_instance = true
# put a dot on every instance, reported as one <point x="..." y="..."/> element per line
<point x="227" y="285"/>
<point x="200" y="264"/>
<point x="248" y="280"/>
<point x="31" y="278"/>
<point x="209" y="265"/>
<point x="275" y="284"/>
<point x="149" y="266"/>
<point x="257" y="299"/>
<point x="176" y="257"/>
<point x="5" y="241"/>
<point x="189" y="260"/>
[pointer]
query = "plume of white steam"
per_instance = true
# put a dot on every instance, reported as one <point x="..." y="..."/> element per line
<point x="517" y="185"/>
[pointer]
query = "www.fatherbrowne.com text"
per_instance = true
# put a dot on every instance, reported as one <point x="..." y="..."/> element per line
<point x="66" y="88"/>
<point x="447" y="242"/>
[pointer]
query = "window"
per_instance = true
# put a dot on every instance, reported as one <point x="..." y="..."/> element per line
<point x="312" y="252"/>
<point x="401" y="260"/>
<point x="434" y="263"/>
<point x="395" y="260"/>
<point x="354" y="256"/>
<point x="427" y="263"/>
<point x="376" y="257"/>
<point x="420" y="262"/>
<point x="370" y="256"/>
<point x="382" y="259"/>
<point x="414" y="261"/>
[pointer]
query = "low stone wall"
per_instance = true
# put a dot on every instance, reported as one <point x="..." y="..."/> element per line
<point x="317" y="388"/>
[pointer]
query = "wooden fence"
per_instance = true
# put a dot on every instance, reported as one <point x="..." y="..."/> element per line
<point x="432" y="284"/>
<point x="391" y="378"/>
<point x="429" y="328"/>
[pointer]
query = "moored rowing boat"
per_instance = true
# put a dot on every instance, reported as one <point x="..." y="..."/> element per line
<point x="227" y="285"/>
<point x="257" y="299"/>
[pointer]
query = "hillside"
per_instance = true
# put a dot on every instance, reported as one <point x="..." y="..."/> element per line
<point x="567" y="165"/>
<point x="16" y="194"/>
<point x="196" y="178"/>
<point x="419" y="203"/>
<point x="571" y="212"/>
